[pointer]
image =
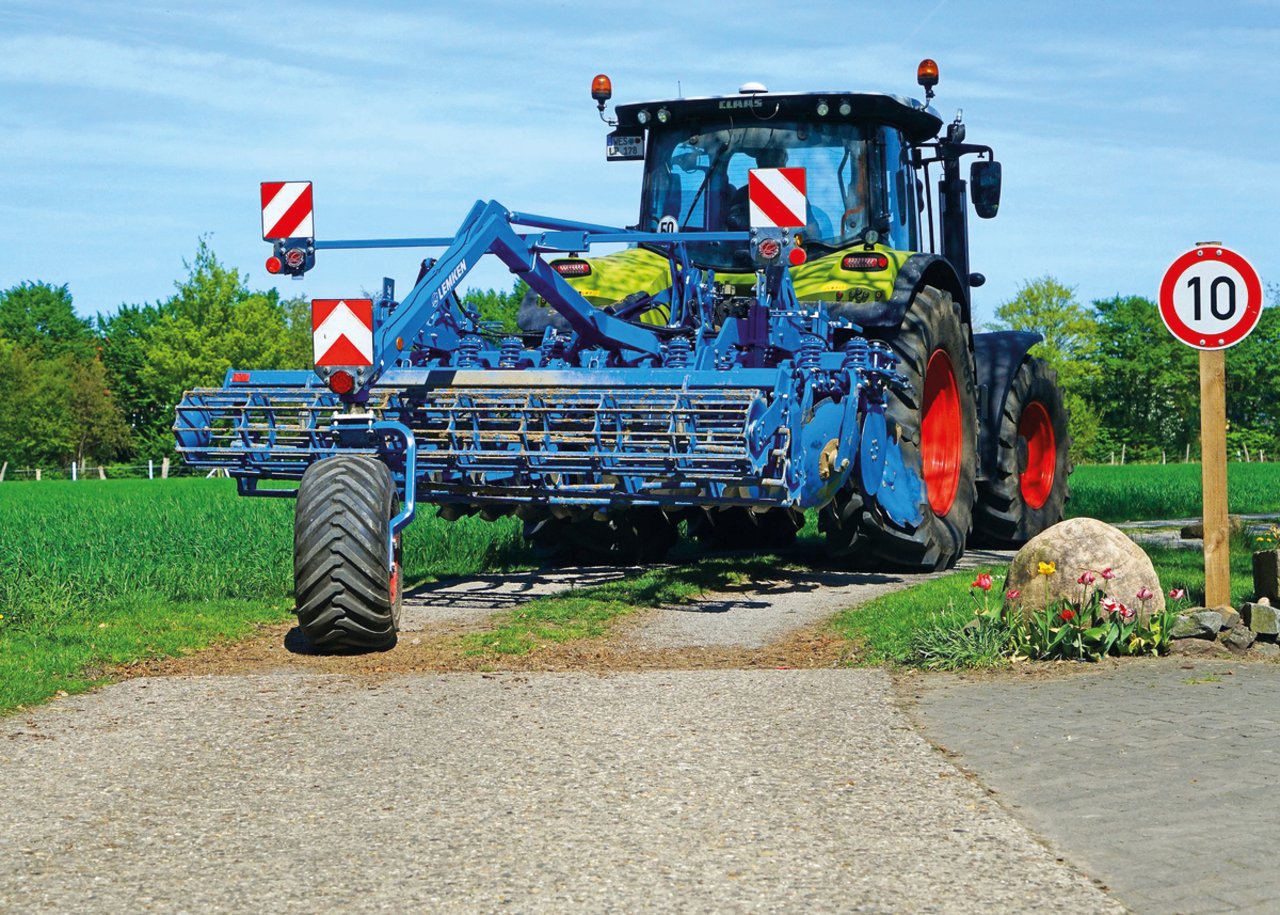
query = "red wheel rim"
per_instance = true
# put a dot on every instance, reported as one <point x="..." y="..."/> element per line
<point x="395" y="582"/>
<point x="1036" y="480"/>
<point x="941" y="433"/>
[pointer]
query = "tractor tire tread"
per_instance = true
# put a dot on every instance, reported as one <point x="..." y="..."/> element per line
<point x="341" y="583"/>
<point x="933" y="321"/>
<point x="1002" y="519"/>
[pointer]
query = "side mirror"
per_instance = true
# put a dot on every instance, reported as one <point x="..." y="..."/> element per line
<point x="984" y="187"/>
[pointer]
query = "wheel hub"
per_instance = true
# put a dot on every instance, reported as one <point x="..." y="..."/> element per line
<point x="1036" y="479"/>
<point x="941" y="433"/>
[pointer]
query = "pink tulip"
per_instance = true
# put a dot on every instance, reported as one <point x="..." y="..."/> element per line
<point x="1145" y="594"/>
<point x="983" y="581"/>
<point x="1013" y="594"/>
<point x="1087" y="578"/>
<point x="1108" y="574"/>
<point x="1110" y="605"/>
<point x="1177" y="593"/>
<point x="1125" y="613"/>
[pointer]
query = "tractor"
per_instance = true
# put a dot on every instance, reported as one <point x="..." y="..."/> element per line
<point x="787" y="328"/>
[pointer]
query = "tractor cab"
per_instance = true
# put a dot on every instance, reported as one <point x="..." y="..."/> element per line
<point x="855" y="149"/>
<point x="866" y="159"/>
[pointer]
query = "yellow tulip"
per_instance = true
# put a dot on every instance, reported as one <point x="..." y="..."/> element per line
<point x="1047" y="568"/>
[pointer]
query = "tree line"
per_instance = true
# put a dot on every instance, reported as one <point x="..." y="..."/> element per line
<point x="103" y="390"/>
<point x="1132" y="388"/>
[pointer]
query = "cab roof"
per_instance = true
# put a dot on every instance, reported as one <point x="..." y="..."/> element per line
<point x="918" y="122"/>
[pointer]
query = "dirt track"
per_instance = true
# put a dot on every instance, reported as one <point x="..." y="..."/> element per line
<point x="764" y="624"/>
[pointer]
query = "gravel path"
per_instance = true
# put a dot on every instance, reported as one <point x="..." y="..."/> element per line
<point x="769" y="610"/>
<point x="675" y="791"/>
<point x="480" y="596"/>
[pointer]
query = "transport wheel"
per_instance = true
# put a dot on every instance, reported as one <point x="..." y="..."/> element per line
<point x="1027" y="488"/>
<point x="639" y="535"/>
<point x="347" y="599"/>
<point x="937" y="427"/>
<point x="741" y="528"/>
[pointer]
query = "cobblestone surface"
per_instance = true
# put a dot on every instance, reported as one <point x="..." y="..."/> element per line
<point x="1158" y="778"/>
<point x="706" y="791"/>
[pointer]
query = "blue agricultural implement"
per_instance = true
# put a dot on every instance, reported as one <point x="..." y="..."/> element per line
<point x="774" y="336"/>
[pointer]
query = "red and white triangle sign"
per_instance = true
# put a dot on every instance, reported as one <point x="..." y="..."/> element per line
<point x="342" y="331"/>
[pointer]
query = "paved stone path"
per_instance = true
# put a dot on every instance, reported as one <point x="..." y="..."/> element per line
<point x="1158" y="778"/>
<point x="696" y="791"/>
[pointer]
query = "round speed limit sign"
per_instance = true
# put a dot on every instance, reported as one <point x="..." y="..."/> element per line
<point x="1210" y="298"/>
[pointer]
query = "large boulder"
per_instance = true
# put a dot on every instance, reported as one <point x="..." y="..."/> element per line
<point x="1074" y="547"/>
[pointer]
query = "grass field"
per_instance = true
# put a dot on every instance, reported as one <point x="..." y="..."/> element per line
<point x="98" y="574"/>
<point x="1147" y="492"/>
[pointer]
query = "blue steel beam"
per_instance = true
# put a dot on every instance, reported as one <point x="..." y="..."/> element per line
<point x="487" y="229"/>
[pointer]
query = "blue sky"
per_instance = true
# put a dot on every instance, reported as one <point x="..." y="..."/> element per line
<point x="1127" y="130"/>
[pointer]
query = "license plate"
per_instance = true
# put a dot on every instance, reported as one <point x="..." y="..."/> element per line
<point x="624" y="148"/>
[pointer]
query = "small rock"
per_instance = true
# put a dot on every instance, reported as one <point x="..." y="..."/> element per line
<point x="1195" y="530"/>
<point x="1263" y="600"/>
<point x="1265" y="649"/>
<point x="1196" y="623"/>
<point x="1230" y="618"/>
<point x="1262" y="618"/>
<point x="1197" y="648"/>
<point x="1237" y="639"/>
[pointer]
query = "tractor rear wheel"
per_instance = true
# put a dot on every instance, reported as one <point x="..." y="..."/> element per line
<point x="347" y="598"/>
<point x="1027" y="488"/>
<point x="937" y="430"/>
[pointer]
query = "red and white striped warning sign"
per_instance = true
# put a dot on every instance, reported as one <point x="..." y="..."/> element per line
<point x="777" y="198"/>
<point x="286" y="210"/>
<point x="342" y="331"/>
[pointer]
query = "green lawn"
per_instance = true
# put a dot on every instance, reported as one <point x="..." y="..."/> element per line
<point x="102" y="573"/>
<point x="1147" y="492"/>
<point x="97" y="574"/>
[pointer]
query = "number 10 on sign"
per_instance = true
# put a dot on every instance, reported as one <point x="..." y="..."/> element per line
<point x="1210" y="298"/>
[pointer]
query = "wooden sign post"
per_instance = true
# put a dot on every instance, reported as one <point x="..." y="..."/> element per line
<point x="1211" y="299"/>
<point x="1213" y="477"/>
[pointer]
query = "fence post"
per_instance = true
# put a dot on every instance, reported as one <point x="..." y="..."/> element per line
<point x="164" y="469"/>
<point x="102" y="473"/>
<point x="151" y="469"/>
<point x="1187" y="459"/>
<point x="1123" y="447"/>
<point x="73" y="471"/>
<point x="1162" y="460"/>
<point x="3" y="468"/>
<point x="37" y="474"/>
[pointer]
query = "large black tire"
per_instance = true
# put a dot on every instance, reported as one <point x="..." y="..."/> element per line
<point x="347" y="599"/>
<point x="937" y="428"/>
<point x="1027" y="488"/>
<point x="741" y="528"/>
<point x="635" y="536"/>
